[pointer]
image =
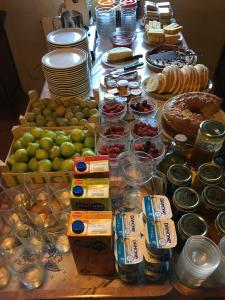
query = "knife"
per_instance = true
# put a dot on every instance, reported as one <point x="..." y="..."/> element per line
<point x="124" y="69"/>
<point x="127" y="59"/>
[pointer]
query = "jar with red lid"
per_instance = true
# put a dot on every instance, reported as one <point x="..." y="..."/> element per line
<point x="128" y="15"/>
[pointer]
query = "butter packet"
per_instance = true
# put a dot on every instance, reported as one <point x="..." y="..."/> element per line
<point x="156" y="207"/>
<point x="127" y="224"/>
<point x="90" y="188"/>
<point x="128" y="251"/>
<point x="160" y="234"/>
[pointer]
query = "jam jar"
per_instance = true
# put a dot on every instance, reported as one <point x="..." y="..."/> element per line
<point x="213" y="198"/>
<point x="177" y="176"/>
<point x="185" y="200"/>
<point x="209" y="140"/>
<point x="208" y="174"/>
<point x="190" y="224"/>
<point x="217" y="228"/>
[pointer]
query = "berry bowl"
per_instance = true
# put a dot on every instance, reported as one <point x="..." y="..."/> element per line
<point x="143" y="107"/>
<point x="112" y="145"/>
<point x="113" y="109"/>
<point x="120" y="128"/>
<point x="146" y="128"/>
<point x="153" y="146"/>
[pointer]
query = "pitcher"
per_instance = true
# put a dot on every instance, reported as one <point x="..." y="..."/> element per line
<point x="139" y="178"/>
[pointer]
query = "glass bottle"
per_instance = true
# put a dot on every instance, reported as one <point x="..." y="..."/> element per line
<point x="175" y="153"/>
<point x="217" y="228"/>
<point x="209" y="140"/>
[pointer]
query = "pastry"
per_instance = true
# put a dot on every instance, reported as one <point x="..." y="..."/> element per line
<point x="184" y="113"/>
<point x="173" y="28"/>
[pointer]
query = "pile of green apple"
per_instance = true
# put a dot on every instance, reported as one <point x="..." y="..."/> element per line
<point x="47" y="150"/>
<point x="54" y="112"/>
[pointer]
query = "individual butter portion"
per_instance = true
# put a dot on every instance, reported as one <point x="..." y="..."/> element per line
<point x="128" y="251"/>
<point x="128" y="224"/>
<point x="119" y="53"/>
<point x="160" y="234"/>
<point x="157" y="207"/>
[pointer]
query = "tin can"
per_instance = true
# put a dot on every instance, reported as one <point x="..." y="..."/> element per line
<point x="177" y="176"/>
<point x="209" y="140"/>
<point x="208" y="174"/>
<point x="185" y="200"/>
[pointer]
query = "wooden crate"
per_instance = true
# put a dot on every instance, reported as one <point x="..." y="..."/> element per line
<point x="34" y="97"/>
<point x="11" y="179"/>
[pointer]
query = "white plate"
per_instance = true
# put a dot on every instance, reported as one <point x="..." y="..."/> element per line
<point x="159" y="44"/>
<point x="64" y="58"/>
<point x="168" y="96"/>
<point x="66" y="36"/>
<point x="116" y="65"/>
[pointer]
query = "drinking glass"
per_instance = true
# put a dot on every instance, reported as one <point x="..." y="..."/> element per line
<point x="105" y="20"/>
<point x="197" y="261"/>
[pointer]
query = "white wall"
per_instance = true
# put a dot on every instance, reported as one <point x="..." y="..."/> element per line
<point x="26" y="37"/>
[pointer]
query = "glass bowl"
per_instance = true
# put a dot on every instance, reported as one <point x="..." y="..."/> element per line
<point x="119" y="127"/>
<point x="112" y="145"/>
<point x="121" y="38"/>
<point x="146" y="128"/>
<point x="143" y="106"/>
<point x="153" y="146"/>
<point x="114" y="108"/>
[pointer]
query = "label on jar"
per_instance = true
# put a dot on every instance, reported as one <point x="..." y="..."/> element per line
<point x="128" y="224"/>
<point x="157" y="207"/>
<point x="128" y="251"/>
<point x="160" y="234"/>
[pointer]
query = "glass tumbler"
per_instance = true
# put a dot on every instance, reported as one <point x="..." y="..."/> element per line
<point x="105" y="20"/>
<point x="198" y="260"/>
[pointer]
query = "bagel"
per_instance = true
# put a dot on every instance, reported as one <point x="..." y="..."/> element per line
<point x="184" y="113"/>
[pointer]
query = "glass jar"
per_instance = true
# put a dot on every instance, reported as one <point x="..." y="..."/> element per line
<point x="177" y="176"/>
<point x="208" y="174"/>
<point x="213" y="200"/>
<point x="123" y="87"/>
<point x="185" y="200"/>
<point x="217" y="228"/>
<point x="128" y="15"/>
<point x="190" y="224"/>
<point x="210" y="137"/>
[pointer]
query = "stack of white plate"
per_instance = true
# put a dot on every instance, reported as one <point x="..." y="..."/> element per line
<point x="68" y="38"/>
<point x="67" y="73"/>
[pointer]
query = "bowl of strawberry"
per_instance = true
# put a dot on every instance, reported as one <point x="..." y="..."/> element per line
<point x="152" y="146"/>
<point x="145" y="128"/>
<point x="143" y="107"/>
<point x="112" y="145"/>
<point x="113" y="109"/>
<point x="120" y="128"/>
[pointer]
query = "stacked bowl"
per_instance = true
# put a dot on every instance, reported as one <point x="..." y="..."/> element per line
<point x="67" y="73"/>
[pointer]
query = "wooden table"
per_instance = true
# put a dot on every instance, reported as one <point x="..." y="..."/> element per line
<point x="65" y="282"/>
